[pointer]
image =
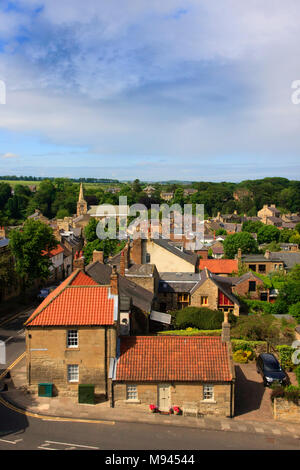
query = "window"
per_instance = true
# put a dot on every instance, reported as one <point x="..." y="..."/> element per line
<point x="72" y="341"/>
<point x="252" y="286"/>
<point x="262" y="268"/>
<point x="204" y="300"/>
<point x="147" y="257"/>
<point x="131" y="392"/>
<point x="73" y="373"/>
<point x="208" y="392"/>
<point x="252" y="267"/>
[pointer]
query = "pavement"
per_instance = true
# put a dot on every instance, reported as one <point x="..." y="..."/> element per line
<point x="255" y="420"/>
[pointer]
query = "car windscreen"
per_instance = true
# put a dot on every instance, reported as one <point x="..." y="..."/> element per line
<point x="272" y="366"/>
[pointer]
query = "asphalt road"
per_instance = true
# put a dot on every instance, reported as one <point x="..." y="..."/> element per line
<point x="13" y="334"/>
<point x="19" y="432"/>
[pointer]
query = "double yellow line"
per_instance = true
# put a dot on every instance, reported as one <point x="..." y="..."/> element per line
<point x="44" y="417"/>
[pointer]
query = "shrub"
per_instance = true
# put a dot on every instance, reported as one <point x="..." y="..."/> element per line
<point x="297" y="372"/>
<point x="256" y="347"/>
<point x="242" y="356"/>
<point x="285" y="356"/>
<point x="201" y="318"/>
<point x="292" y="393"/>
<point x="277" y="391"/>
<point x="191" y="332"/>
<point x="256" y="328"/>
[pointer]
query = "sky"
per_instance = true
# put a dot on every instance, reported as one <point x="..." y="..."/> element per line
<point x="190" y="90"/>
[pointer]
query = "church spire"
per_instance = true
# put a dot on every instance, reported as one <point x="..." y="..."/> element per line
<point x="81" y="197"/>
<point x="81" y="204"/>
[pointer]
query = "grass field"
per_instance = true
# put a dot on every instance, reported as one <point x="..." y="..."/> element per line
<point x="37" y="183"/>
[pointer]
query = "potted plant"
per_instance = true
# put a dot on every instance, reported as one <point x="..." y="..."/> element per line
<point x="153" y="408"/>
<point x="177" y="410"/>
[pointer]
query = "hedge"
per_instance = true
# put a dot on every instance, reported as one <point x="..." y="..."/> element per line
<point x="191" y="332"/>
<point x="285" y="356"/>
<point x="201" y="318"/>
<point x="256" y="346"/>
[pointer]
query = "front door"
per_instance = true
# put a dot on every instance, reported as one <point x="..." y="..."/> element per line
<point x="164" y="397"/>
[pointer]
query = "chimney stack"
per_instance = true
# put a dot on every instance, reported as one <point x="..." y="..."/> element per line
<point x="239" y="254"/>
<point x="267" y="254"/>
<point x="98" y="256"/>
<point x="78" y="262"/>
<point x="122" y="264"/>
<point x="2" y="232"/>
<point x="225" y="329"/>
<point x="114" y="281"/>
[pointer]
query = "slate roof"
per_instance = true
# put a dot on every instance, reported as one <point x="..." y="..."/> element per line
<point x="4" y="242"/>
<point x="186" y="255"/>
<point x="143" y="270"/>
<point x="173" y="358"/>
<point x="289" y="258"/>
<point x="141" y="297"/>
<point x="76" y="301"/>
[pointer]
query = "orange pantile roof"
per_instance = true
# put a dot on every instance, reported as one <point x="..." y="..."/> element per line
<point x="54" y="252"/>
<point x="173" y="358"/>
<point x="77" y="301"/>
<point x="223" y="266"/>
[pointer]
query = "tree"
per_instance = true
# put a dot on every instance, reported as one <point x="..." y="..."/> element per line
<point x="5" y="194"/>
<point x="221" y="231"/>
<point x="252" y="226"/>
<point x="268" y="234"/>
<point x="242" y="240"/>
<point x="7" y="271"/>
<point x="27" y="246"/>
<point x="256" y="328"/>
<point x="294" y="310"/>
<point x="90" y="230"/>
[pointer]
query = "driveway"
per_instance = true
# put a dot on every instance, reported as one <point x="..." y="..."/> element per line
<point x="252" y="399"/>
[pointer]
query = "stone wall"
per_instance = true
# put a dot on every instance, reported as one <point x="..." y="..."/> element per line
<point x="285" y="410"/>
<point x="181" y="393"/>
<point x="48" y="358"/>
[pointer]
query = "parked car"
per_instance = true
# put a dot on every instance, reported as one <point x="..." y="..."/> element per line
<point x="269" y="368"/>
<point x="45" y="292"/>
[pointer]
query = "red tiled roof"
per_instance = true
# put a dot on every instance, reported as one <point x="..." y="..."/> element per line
<point x="55" y="251"/>
<point x="83" y="280"/>
<point x="72" y="303"/>
<point x="223" y="266"/>
<point x="173" y="358"/>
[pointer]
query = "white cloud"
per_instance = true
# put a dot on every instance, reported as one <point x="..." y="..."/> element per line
<point x="9" y="155"/>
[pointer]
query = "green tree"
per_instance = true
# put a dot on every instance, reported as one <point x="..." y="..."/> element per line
<point x="242" y="240"/>
<point x="252" y="226"/>
<point x="268" y="234"/>
<point x="27" y="246"/>
<point x="90" y="230"/>
<point x="294" y="310"/>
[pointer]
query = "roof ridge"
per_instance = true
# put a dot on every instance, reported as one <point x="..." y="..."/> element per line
<point x="72" y="276"/>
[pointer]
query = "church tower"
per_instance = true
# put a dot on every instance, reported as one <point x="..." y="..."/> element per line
<point x="81" y="204"/>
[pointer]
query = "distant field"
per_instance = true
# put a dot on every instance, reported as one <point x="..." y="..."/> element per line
<point x="37" y="183"/>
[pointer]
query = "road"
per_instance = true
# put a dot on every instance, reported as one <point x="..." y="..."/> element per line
<point x="12" y="333"/>
<point x="19" y="432"/>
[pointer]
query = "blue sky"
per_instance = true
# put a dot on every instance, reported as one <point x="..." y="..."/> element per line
<point x="126" y="89"/>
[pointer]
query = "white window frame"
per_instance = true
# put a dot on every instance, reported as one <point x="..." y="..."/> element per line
<point x="131" y="392"/>
<point x="73" y="374"/>
<point x="72" y="338"/>
<point x="208" y="392"/>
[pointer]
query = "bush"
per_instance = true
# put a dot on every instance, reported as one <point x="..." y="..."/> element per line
<point x="191" y="332"/>
<point x="277" y="391"/>
<point x="242" y="356"/>
<point x="285" y="356"/>
<point x="292" y="393"/>
<point x="297" y="372"/>
<point x="201" y="318"/>
<point x="256" y="328"/>
<point x="256" y="347"/>
<point x="258" y="306"/>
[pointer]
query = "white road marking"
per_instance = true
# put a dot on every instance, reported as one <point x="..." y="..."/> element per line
<point x="12" y="442"/>
<point x="46" y="446"/>
<point x="69" y="444"/>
